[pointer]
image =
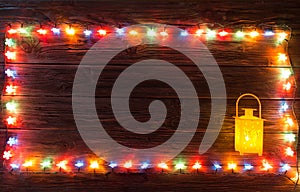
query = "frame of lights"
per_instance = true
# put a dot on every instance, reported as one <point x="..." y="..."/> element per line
<point x="279" y="34"/>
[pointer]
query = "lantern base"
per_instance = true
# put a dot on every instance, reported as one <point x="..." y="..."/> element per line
<point x="258" y="153"/>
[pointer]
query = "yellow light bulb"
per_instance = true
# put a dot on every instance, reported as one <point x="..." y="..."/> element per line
<point x="266" y="165"/>
<point x="70" y="31"/>
<point x="133" y="32"/>
<point x="289" y="121"/>
<point x="232" y="166"/>
<point x="282" y="57"/>
<point x="94" y="165"/>
<point x="163" y="165"/>
<point x="282" y="36"/>
<point x="289" y="152"/>
<point x="62" y="164"/>
<point x="128" y="164"/>
<point x="27" y="164"/>
<point x="253" y="34"/>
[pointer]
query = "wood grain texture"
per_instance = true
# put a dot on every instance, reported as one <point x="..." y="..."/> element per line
<point x="46" y="85"/>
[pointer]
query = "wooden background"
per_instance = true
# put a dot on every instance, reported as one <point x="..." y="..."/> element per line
<point x="47" y="105"/>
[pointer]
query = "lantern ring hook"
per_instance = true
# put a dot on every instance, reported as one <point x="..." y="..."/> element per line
<point x="243" y="95"/>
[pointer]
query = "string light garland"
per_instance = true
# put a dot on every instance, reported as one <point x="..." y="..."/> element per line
<point x="208" y="34"/>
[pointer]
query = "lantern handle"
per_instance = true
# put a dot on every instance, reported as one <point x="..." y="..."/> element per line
<point x="247" y="94"/>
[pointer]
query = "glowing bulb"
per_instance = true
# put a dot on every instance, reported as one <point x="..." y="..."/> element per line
<point x="285" y="73"/>
<point x="266" y="165"/>
<point x="11" y="89"/>
<point x="289" y="152"/>
<point x="12" y="31"/>
<point x="232" y="166"/>
<point x="145" y="165"/>
<point x="282" y="57"/>
<point x="46" y="164"/>
<point x="217" y="166"/>
<point x="120" y="31"/>
<point x="102" y="32"/>
<point x="248" y="167"/>
<point x="7" y="155"/>
<point x="284" y="106"/>
<point x="184" y="33"/>
<point x="197" y="165"/>
<point x="269" y="33"/>
<point x="289" y="121"/>
<point x="11" y="106"/>
<point x="11" y="73"/>
<point x="14" y="166"/>
<point x="295" y="178"/>
<point x="11" y="120"/>
<point x="285" y="167"/>
<point x="282" y="36"/>
<point x="223" y="33"/>
<point x="163" y="165"/>
<point x="11" y="55"/>
<point x="70" y="31"/>
<point x="42" y="31"/>
<point x="240" y="34"/>
<point x="62" y="164"/>
<point x="56" y="31"/>
<point x="164" y="33"/>
<point x="287" y="86"/>
<point x="199" y="32"/>
<point x="79" y="164"/>
<point x="290" y="137"/>
<point x="113" y="165"/>
<point x="210" y="34"/>
<point x="27" y="164"/>
<point x="12" y="141"/>
<point x="151" y="33"/>
<point x="179" y="166"/>
<point x="253" y="34"/>
<point x="87" y="32"/>
<point x="94" y="165"/>
<point x="128" y="164"/>
<point x="9" y="42"/>
<point x="22" y="30"/>
<point x="133" y="32"/>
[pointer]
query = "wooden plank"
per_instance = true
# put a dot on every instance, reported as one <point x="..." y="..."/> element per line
<point x="56" y="112"/>
<point x="57" y="80"/>
<point x="149" y="182"/>
<point x="53" y="49"/>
